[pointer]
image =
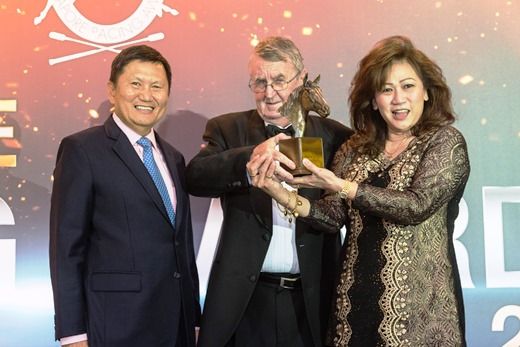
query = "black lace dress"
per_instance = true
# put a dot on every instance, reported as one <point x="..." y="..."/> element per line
<point x="399" y="284"/>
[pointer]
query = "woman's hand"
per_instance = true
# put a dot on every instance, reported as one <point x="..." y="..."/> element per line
<point x="320" y="178"/>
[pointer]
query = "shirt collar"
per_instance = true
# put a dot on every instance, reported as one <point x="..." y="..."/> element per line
<point x="132" y="136"/>
<point x="285" y="127"/>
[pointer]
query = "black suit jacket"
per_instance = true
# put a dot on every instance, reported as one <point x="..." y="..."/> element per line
<point x="120" y="271"/>
<point x="219" y="170"/>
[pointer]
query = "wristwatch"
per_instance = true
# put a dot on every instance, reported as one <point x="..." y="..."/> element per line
<point x="343" y="193"/>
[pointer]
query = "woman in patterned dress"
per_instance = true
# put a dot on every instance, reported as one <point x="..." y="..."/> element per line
<point x="396" y="185"/>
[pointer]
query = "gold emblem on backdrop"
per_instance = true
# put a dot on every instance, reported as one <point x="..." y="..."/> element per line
<point x="9" y="144"/>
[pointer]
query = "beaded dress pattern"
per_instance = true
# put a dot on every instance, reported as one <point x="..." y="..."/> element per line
<point x="407" y="207"/>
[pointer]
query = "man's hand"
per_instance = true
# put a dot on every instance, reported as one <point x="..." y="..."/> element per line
<point x="265" y="161"/>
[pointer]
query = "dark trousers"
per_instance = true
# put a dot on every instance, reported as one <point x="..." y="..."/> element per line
<point x="274" y="317"/>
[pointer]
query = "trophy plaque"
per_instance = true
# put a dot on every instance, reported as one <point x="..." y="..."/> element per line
<point x="307" y="97"/>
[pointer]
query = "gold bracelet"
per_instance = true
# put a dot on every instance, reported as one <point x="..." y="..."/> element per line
<point x="286" y="210"/>
<point x="293" y="212"/>
<point x="343" y="193"/>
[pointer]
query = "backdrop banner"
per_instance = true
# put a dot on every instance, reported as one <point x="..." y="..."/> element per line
<point x="55" y="64"/>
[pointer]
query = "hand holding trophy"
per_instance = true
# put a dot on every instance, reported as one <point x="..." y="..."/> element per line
<point x="308" y="97"/>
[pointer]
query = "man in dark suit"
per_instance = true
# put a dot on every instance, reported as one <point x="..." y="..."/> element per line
<point x="266" y="286"/>
<point x="121" y="245"/>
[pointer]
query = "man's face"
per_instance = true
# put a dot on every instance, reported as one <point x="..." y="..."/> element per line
<point x="269" y="101"/>
<point x="140" y="96"/>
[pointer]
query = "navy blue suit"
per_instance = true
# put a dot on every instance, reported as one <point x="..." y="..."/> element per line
<point x="120" y="271"/>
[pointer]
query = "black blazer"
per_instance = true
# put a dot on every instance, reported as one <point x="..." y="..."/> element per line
<point x="119" y="270"/>
<point x="219" y="170"/>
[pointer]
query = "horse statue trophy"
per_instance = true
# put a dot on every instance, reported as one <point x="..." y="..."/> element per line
<point x="304" y="99"/>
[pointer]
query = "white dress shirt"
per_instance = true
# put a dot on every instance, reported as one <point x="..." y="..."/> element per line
<point x="281" y="255"/>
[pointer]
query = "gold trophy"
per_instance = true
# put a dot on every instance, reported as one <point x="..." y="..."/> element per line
<point x="307" y="97"/>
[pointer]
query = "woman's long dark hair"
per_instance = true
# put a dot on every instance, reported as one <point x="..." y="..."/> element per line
<point x="369" y="125"/>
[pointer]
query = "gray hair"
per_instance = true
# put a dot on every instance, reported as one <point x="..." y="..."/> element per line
<point x="277" y="48"/>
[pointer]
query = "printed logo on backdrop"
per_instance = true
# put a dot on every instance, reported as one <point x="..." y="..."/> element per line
<point x="104" y="37"/>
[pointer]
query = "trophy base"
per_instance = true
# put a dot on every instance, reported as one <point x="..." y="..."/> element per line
<point x="299" y="148"/>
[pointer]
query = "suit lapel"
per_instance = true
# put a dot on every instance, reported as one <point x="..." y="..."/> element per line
<point x="255" y="129"/>
<point x="261" y="203"/>
<point x="124" y="150"/>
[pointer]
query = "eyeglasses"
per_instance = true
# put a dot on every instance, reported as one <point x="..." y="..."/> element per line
<point x="260" y="86"/>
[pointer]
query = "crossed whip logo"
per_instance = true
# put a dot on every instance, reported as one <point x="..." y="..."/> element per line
<point x="103" y="37"/>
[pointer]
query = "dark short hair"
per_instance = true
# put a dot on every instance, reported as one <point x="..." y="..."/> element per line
<point x="370" y="127"/>
<point x="277" y="48"/>
<point x="143" y="53"/>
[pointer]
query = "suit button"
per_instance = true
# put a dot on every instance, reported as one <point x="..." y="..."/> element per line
<point x="266" y="237"/>
<point x="177" y="243"/>
<point x="176" y="275"/>
<point x="252" y="278"/>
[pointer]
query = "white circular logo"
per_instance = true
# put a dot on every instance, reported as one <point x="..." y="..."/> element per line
<point x="98" y="35"/>
<point x="112" y="33"/>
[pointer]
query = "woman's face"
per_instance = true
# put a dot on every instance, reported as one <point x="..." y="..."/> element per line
<point x="401" y="99"/>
